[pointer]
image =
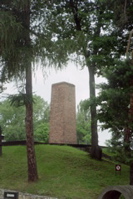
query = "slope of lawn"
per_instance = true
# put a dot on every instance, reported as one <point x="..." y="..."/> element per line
<point x="64" y="172"/>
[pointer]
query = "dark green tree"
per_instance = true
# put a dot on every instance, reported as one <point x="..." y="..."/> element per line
<point x="115" y="110"/>
<point x="124" y="26"/>
<point x="18" y="59"/>
<point x="26" y="21"/>
<point x="115" y="94"/>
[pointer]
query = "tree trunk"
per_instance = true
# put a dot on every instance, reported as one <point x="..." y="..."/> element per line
<point x="129" y="133"/>
<point x="131" y="128"/>
<point x="31" y="159"/>
<point x="32" y="167"/>
<point x="131" y="173"/>
<point x="0" y="141"/>
<point x="96" y="151"/>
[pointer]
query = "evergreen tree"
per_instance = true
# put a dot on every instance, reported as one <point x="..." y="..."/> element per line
<point x="115" y="109"/>
<point x="23" y="42"/>
<point x="123" y="22"/>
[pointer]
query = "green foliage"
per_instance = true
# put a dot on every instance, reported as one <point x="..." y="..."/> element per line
<point x="16" y="49"/>
<point x="114" y="97"/>
<point x="42" y="133"/>
<point x="20" y="100"/>
<point x="116" y="146"/>
<point x="79" y="26"/>
<point x="12" y="120"/>
<point x="122" y="13"/>
<point x="8" y="24"/>
<point x="83" y="124"/>
<point x="41" y="109"/>
<point x="114" y="105"/>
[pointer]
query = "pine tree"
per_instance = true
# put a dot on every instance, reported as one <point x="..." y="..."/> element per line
<point x="25" y="40"/>
<point x="123" y="22"/>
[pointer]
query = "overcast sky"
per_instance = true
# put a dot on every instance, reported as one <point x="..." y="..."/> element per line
<point x="71" y="74"/>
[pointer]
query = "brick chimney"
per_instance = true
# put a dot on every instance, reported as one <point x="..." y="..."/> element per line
<point x="63" y="114"/>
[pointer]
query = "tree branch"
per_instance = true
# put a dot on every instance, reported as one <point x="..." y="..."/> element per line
<point x="77" y="19"/>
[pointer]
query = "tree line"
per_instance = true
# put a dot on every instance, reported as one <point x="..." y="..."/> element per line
<point x="12" y="121"/>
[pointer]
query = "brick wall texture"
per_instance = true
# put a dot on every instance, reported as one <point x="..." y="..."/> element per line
<point x="63" y="114"/>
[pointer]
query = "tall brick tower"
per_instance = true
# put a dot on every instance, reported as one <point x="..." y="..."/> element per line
<point x="63" y="114"/>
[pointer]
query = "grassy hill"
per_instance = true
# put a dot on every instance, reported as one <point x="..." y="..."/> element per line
<point x="64" y="172"/>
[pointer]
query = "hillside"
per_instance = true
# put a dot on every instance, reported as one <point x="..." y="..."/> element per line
<point x="64" y="172"/>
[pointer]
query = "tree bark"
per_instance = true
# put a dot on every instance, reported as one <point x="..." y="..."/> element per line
<point x="32" y="167"/>
<point x="131" y="128"/>
<point x="31" y="158"/>
<point x="0" y="141"/>
<point x="128" y="136"/>
<point x="96" y="151"/>
<point x="131" y="173"/>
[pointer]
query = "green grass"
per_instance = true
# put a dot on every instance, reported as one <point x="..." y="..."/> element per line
<point x="108" y="152"/>
<point x="64" y="172"/>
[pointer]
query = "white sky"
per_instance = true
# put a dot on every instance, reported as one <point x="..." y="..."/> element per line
<point x="71" y="74"/>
